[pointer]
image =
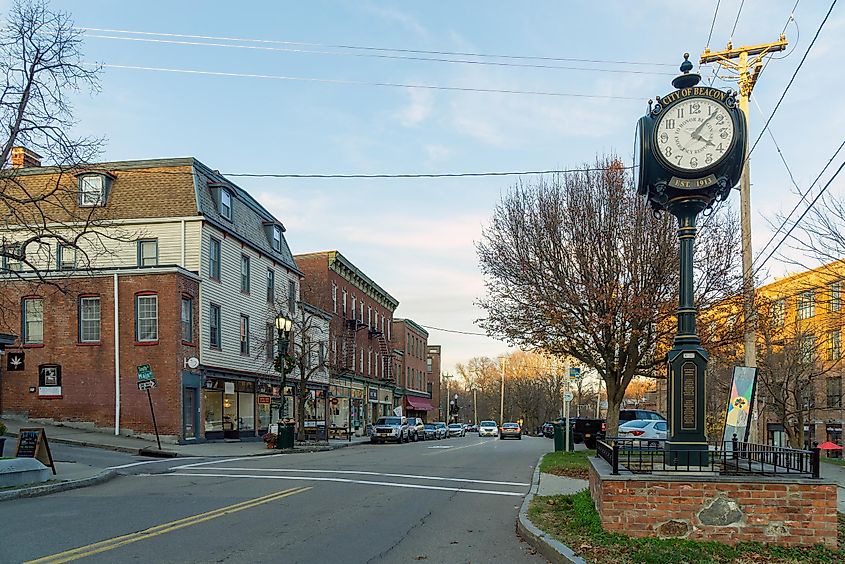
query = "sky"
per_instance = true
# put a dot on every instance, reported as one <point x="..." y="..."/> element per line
<point x="416" y="237"/>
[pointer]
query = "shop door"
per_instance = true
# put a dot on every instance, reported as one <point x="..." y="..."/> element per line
<point x="230" y="416"/>
<point x="189" y="413"/>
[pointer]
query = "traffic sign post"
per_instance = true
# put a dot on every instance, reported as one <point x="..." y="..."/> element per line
<point x="147" y="381"/>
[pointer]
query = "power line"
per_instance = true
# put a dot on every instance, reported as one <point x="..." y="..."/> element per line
<point x="372" y="55"/>
<point x="383" y="49"/>
<point x="736" y="21"/>
<point x="713" y="23"/>
<point x="365" y="83"/>
<point x="425" y="175"/>
<point x="456" y="331"/>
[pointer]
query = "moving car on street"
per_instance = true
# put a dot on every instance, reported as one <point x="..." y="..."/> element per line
<point x="390" y="429"/>
<point x="488" y="429"/>
<point x="511" y="430"/>
<point x="416" y="429"/>
<point x="456" y="430"/>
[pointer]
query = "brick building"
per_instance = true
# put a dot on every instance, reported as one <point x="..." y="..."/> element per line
<point x="432" y="369"/>
<point x="363" y="365"/>
<point x="412" y="392"/>
<point x="187" y="265"/>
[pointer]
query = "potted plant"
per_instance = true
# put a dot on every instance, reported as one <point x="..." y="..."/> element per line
<point x="269" y="439"/>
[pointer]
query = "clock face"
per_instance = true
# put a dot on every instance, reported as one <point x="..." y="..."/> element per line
<point x="694" y="134"/>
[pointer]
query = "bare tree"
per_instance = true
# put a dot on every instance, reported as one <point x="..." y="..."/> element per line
<point x="579" y="266"/>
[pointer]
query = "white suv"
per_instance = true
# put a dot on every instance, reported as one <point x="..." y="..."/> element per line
<point x="488" y="429"/>
<point x="390" y="428"/>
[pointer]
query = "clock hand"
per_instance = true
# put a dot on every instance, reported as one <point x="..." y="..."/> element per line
<point x="698" y="137"/>
<point x="698" y="129"/>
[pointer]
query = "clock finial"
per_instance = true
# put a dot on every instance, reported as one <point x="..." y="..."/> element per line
<point x="687" y="79"/>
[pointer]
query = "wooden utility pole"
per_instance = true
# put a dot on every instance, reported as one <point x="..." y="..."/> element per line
<point x="745" y="65"/>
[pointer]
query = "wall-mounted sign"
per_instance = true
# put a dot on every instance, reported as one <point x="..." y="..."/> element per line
<point x="15" y="361"/>
<point x="50" y="381"/>
<point x="228" y="387"/>
<point x="373" y="394"/>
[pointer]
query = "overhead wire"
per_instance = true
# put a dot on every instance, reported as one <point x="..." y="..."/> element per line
<point x="736" y="21"/>
<point x="368" y="83"/>
<point x="713" y="23"/>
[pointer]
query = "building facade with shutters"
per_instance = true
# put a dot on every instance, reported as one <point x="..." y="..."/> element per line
<point x="412" y="390"/>
<point x="182" y="271"/>
<point x="361" y="359"/>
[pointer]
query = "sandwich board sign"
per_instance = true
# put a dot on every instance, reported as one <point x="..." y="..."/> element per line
<point x="32" y="443"/>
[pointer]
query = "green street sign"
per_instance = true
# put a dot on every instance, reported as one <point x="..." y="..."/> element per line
<point x="145" y="373"/>
<point x="574" y="373"/>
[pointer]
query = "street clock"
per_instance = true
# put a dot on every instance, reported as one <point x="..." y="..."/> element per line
<point x="691" y="143"/>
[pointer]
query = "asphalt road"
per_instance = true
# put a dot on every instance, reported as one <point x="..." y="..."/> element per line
<point x="452" y="500"/>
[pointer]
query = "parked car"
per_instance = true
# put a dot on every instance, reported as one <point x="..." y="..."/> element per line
<point x="442" y="429"/>
<point x="644" y="429"/>
<point x="392" y="428"/>
<point x="456" y="430"/>
<point x="430" y="431"/>
<point x="488" y="429"/>
<point x="472" y="428"/>
<point x="416" y="429"/>
<point x="639" y="414"/>
<point x="511" y="430"/>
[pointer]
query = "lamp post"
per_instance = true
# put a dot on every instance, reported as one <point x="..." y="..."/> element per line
<point x="283" y="366"/>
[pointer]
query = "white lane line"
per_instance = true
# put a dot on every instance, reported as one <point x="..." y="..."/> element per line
<point x="453" y="449"/>
<point x="342" y="480"/>
<point x="440" y="447"/>
<point x="147" y="462"/>
<point x="182" y="467"/>
<point x="365" y="473"/>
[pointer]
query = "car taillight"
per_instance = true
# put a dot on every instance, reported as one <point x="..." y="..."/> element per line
<point x="637" y="433"/>
<point x="604" y="426"/>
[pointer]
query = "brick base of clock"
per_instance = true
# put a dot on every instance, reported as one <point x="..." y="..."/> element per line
<point x="728" y="509"/>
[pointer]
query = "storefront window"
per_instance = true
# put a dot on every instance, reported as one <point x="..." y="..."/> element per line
<point x="212" y="405"/>
<point x="265" y="414"/>
<point x="246" y="412"/>
<point x="230" y="412"/>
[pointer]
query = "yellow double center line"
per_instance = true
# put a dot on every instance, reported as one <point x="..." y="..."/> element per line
<point x="117" y="542"/>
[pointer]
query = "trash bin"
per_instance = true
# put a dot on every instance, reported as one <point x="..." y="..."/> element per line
<point x="285" y="437"/>
<point x="560" y="437"/>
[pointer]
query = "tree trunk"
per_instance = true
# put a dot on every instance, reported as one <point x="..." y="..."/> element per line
<point x="300" y="415"/>
<point x="614" y="400"/>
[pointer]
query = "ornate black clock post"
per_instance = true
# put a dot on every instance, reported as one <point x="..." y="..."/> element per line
<point x="692" y="143"/>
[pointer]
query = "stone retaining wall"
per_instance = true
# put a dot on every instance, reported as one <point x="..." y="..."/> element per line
<point x="729" y="509"/>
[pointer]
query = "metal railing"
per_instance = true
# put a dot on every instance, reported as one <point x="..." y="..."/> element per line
<point x="649" y="456"/>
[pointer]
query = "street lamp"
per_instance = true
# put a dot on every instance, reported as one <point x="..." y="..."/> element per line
<point x="283" y="366"/>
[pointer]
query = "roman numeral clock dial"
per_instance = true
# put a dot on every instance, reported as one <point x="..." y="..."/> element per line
<point x="694" y="134"/>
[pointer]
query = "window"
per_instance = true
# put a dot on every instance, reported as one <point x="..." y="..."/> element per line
<point x="146" y="318"/>
<point x="806" y="304"/>
<point x="214" y="259"/>
<point x="270" y="344"/>
<point x="32" y="313"/>
<point x="361" y="318"/>
<point x="244" y="334"/>
<point x="214" y="327"/>
<point x="361" y="364"/>
<point x="291" y="295"/>
<point x="148" y="252"/>
<point x="428" y="365"/>
<point x="89" y="319"/>
<point x="245" y="274"/>
<point x="92" y="190"/>
<point x="13" y="258"/>
<point x="354" y="303"/>
<point x="835" y="342"/>
<point x="271" y="285"/>
<point x="344" y="302"/>
<point x="834" y="392"/>
<point x="806" y="349"/>
<point x="65" y="257"/>
<point x="808" y="396"/>
<point x="226" y="204"/>
<point x="369" y="362"/>
<point x="321" y="354"/>
<point x="334" y="297"/>
<point x="187" y="319"/>
<point x="778" y="312"/>
<point x="370" y="316"/>
<point x="836" y="296"/>
<point x="277" y="238"/>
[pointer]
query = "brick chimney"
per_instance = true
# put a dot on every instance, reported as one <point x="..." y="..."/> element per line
<point x="24" y="158"/>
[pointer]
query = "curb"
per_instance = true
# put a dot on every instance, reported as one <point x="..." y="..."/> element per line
<point x="554" y="550"/>
<point x="87" y="444"/>
<point x="35" y="491"/>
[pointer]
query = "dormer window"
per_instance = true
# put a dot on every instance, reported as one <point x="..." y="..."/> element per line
<point x="93" y="189"/>
<point x="277" y="238"/>
<point x="226" y="204"/>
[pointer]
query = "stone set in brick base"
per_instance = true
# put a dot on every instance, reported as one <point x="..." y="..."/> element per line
<point x="729" y="509"/>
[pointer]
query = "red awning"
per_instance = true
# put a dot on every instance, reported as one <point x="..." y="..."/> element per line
<point x="418" y="404"/>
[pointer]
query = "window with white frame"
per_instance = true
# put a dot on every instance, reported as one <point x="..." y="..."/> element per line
<point x="148" y="252"/>
<point x="334" y="297"/>
<point x="65" y="257"/>
<point x="361" y="318"/>
<point x="32" y="313"/>
<point x="245" y="274"/>
<point x="836" y="296"/>
<point x="344" y="302"/>
<point x="806" y="304"/>
<point x="354" y="303"/>
<point x="291" y="296"/>
<point x="361" y="364"/>
<point x="370" y="316"/>
<point x="187" y="319"/>
<point x="214" y="338"/>
<point x="271" y="285"/>
<point x="277" y="238"/>
<point x="92" y="190"/>
<point x="214" y="258"/>
<point x="244" y="334"/>
<point x="370" y="361"/>
<point x="226" y="204"/>
<point x="835" y="344"/>
<point x="807" y="349"/>
<point x="146" y="318"/>
<point x="13" y="257"/>
<point x="89" y="319"/>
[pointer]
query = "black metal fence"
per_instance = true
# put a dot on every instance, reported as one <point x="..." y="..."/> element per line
<point x="649" y="456"/>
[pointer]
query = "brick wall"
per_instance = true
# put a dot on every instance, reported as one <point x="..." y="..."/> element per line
<point x="727" y="509"/>
<point x="88" y="381"/>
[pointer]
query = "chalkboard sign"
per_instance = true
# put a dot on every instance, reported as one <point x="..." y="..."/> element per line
<point x="32" y="443"/>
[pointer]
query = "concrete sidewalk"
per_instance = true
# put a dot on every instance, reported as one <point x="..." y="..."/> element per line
<point x="132" y="445"/>
<point x="551" y="484"/>
<point x="836" y="473"/>
<point x="69" y="476"/>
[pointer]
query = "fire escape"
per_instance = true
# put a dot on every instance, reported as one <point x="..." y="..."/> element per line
<point x="384" y="350"/>
<point x="351" y="328"/>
